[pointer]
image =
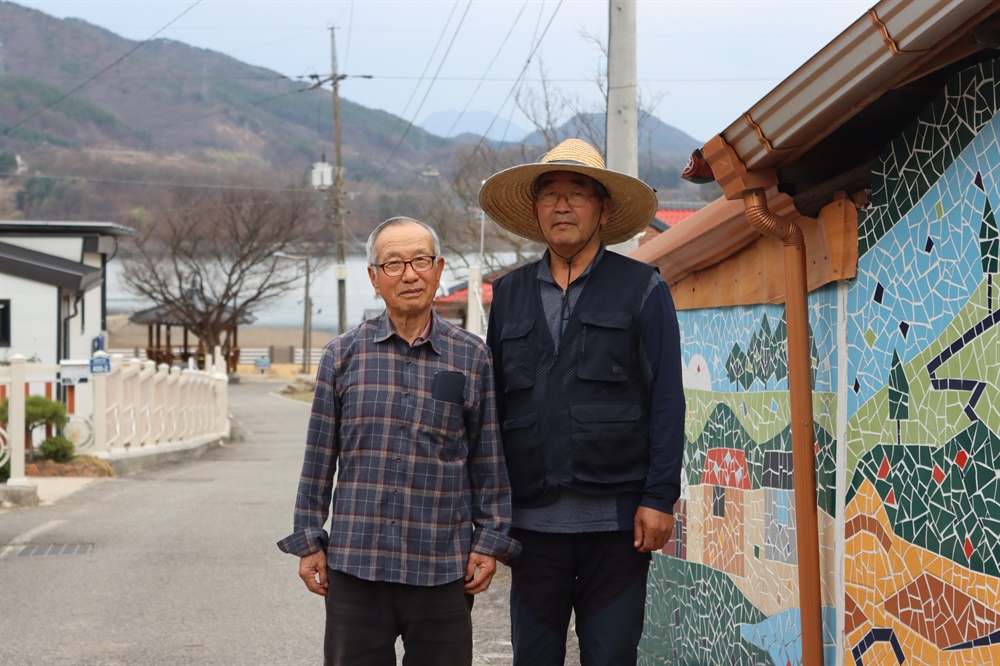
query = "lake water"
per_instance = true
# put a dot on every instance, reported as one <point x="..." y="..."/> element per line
<point x="287" y="310"/>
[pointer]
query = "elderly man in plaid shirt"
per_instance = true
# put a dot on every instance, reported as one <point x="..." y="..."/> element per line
<point x="404" y="415"/>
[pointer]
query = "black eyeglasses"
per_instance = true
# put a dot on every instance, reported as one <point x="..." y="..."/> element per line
<point x="420" y="264"/>
<point x="574" y="199"/>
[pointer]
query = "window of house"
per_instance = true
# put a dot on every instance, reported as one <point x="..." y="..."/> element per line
<point x="5" y="322"/>
<point x="718" y="501"/>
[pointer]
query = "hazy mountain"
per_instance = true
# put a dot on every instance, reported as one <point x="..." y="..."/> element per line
<point x="167" y="113"/>
<point x="453" y="123"/>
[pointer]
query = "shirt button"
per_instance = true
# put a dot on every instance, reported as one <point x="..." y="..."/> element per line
<point x="398" y="458"/>
<point x="407" y="395"/>
<point x="394" y="491"/>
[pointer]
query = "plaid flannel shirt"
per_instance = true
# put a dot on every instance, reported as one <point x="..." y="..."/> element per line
<point x="420" y="481"/>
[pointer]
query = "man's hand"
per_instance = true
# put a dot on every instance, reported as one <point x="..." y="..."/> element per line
<point x="479" y="572"/>
<point x="312" y="569"/>
<point x="652" y="529"/>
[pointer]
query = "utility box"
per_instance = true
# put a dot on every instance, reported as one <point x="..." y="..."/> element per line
<point x="74" y="373"/>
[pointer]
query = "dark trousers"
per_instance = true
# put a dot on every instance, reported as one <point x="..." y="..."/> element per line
<point x="364" y="618"/>
<point x="598" y="575"/>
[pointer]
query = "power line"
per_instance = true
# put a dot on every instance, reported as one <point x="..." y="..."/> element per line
<point x="503" y="43"/>
<point x="410" y="124"/>
<point x="95" y="76"/>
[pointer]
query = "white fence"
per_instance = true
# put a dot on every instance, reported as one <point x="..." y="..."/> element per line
<point x="136" y="407"/>
<point x="248" y="355"/>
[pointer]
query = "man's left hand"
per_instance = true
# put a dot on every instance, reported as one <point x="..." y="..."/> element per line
<point x="652" y="529"/>
<point x="479" y="572"/>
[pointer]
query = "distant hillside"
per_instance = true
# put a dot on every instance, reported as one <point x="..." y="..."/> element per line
<point x="451" y="123"/>
<point x="171" y="113"/>
<point x="169" y="98"/>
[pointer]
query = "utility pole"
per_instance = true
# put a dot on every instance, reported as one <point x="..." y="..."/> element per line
<point x="307" y="327"/>
<point x="622" y="118"/>
<point x="337" y="192"/>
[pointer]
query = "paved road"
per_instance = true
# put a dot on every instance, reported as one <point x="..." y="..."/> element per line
<point x="177" y="565"/>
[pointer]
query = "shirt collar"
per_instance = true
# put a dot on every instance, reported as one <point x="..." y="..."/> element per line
<point x="431" y="333"/>
<point x="545" y="269"/>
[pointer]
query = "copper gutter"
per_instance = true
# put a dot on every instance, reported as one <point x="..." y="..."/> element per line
<point x="803" y="432"/>
<point x="737" y="182"/>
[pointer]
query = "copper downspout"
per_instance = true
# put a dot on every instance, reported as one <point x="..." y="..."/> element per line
<point x="803" y="433"/>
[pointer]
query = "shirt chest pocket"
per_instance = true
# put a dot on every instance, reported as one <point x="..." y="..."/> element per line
<point x="441" y="426"/>
<point x="518" y="355"/>
<point x="606" y="346"/>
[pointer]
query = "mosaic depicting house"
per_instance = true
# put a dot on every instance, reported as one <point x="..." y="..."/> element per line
<point x="883" y="151"/>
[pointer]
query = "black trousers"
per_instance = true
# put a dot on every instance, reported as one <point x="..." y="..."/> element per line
<point x="599" y="575"/>
<point x="364" y="618"/>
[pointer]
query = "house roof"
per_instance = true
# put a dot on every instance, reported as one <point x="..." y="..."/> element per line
<point x="462" y="295"/>
<point x="817" y="132"/>
<point x="726" y="467"/>
<point x="47" y="269"/>
<point x="672" y="213"/>
<point x="64" y="228"/>
<point x="174" y="316"/>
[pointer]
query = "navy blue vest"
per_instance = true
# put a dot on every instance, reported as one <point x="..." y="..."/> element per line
<point x="576" y="411"/>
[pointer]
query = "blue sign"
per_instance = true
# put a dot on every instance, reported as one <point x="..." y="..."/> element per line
<point x="100" y="365"/>
<point x="262" y="364"/>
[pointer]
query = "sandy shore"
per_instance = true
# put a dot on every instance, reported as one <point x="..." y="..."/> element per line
<point x="123" y="335"/>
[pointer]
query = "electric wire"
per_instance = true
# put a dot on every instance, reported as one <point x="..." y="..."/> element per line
<point x="458" y="118"/>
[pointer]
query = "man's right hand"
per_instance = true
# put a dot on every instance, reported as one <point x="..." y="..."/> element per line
<point x="312" y="570"/>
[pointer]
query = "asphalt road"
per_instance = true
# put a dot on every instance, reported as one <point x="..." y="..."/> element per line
<point x="177" y="565"/>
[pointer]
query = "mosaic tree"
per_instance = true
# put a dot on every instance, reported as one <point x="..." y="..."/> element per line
<point x="899" y="394"/>
<point x="989" y="244"/>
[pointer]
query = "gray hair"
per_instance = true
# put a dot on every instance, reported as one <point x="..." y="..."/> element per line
<point x="393" y="222"/>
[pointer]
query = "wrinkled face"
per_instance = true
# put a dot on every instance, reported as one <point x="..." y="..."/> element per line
<point x="569" y="227"/>
<point x="412" y="293"/>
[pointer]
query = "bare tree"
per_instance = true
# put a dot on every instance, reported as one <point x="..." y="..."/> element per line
<point x="215" y="256"/>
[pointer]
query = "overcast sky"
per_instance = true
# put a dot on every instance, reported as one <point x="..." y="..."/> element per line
<point x="701" y="62"/>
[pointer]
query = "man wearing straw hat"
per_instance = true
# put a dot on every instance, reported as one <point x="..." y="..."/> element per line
<point x="586" y="352"/>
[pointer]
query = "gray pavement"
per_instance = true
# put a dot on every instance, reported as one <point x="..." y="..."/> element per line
<point x="177" y="564"/>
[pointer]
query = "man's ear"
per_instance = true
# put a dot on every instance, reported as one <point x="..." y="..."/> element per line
<point x="374" y="278"/>
<point x="605" y="210"/>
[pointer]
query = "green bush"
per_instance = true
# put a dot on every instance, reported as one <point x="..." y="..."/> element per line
<point x="58" y="449"/>
<point x="5" y="471"/>
<point x="38" y="411"/>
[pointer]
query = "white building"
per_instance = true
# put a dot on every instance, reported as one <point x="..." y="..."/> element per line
<point x="52" y="287"/>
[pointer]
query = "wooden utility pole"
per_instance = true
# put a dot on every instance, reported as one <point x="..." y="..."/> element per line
<point x="337" y="192"/>
<point x="622" y="118"/>
<point x="307" y="326"/>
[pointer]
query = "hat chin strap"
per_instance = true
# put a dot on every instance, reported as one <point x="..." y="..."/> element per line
<point x="569" y="259"/>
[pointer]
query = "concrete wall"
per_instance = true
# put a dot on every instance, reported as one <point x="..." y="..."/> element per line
<point x="907" y="412"/>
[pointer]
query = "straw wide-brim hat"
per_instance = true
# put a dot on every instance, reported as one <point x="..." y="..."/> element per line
<point x="507" y="197"/>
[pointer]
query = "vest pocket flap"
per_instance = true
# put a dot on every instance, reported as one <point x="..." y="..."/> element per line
<point x="525" y="462"/>
<point x="519" y="422"/>
<point x="516" y="329"/>
<point x="620" y="320"/>
<point x="605" y="413"/>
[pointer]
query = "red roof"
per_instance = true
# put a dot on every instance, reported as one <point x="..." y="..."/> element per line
<point x="672" y="216"/>
<point x="727" y="468"/>
<point x="462" y="295"/>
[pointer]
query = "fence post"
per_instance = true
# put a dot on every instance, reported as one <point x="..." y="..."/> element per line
<point x="16" y="423"/>
<point x="100" y="416"/>
<point x="221" y="403"/>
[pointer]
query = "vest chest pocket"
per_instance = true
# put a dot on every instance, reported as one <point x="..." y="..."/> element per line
<point x="518" y="355"/>
<point x="606" y="346"/>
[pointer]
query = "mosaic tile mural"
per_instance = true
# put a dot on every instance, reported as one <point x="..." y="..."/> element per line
<point x="916" y="533"/>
